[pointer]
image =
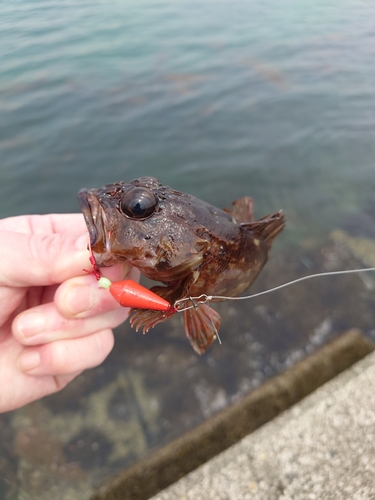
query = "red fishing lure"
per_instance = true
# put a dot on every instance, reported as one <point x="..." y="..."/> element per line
<point x="128" y="293"/>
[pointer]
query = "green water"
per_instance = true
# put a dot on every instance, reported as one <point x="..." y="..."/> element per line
<point x="275" y="100"/>
<point x="220" y="99"/>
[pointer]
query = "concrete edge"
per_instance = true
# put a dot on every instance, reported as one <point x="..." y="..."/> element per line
<point x="165" y="466"/>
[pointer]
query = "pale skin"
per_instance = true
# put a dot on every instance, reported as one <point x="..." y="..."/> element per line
<point x="55" y="321"/>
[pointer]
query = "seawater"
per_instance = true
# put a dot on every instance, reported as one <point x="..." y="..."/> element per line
<point x="220" y="99"/>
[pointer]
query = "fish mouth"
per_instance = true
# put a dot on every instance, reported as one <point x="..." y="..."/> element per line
<point x="94" y="218"/>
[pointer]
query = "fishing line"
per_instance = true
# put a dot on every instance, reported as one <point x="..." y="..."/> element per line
<point x="203" y="299"/>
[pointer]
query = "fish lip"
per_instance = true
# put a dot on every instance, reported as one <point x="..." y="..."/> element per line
<point x="92" y="213"/>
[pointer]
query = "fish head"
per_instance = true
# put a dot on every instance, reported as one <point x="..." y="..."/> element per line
<point x="150" y="225"/>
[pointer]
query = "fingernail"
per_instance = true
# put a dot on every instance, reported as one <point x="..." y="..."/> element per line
<point x="29" y="360"/>
<point x="31" y="323"/>
<point x="80" y="299"/>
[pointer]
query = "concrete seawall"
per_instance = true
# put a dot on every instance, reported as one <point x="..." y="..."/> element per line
<point x="224" y="430"/>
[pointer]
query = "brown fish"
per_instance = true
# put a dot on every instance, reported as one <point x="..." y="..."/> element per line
<point x="177" y="239"/>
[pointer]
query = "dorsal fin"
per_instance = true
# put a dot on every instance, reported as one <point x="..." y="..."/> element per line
<point x="242" y="209"/>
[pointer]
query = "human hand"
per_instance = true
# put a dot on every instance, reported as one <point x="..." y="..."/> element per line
<point x="55" y="321"/>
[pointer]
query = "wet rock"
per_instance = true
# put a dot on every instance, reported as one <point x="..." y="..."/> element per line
<point x="90" y="448"/>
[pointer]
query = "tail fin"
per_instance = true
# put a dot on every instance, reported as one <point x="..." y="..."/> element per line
<point x="201" y="326"/>
<point x="267" y="228"/>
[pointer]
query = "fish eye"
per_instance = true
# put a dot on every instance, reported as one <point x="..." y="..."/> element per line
<point x="138" y="203"/>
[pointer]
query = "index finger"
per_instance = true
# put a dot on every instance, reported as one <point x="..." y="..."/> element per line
<point x="41" y="260"/>
<point x="44" y="224"/>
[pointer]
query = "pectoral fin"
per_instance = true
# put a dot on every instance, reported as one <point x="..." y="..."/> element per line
<point x="146" y="318"/>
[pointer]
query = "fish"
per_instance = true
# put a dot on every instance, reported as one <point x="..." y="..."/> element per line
<point x="188" y="245"/>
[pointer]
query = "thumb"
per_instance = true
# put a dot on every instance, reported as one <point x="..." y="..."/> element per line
<point x="41" y="260"/>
